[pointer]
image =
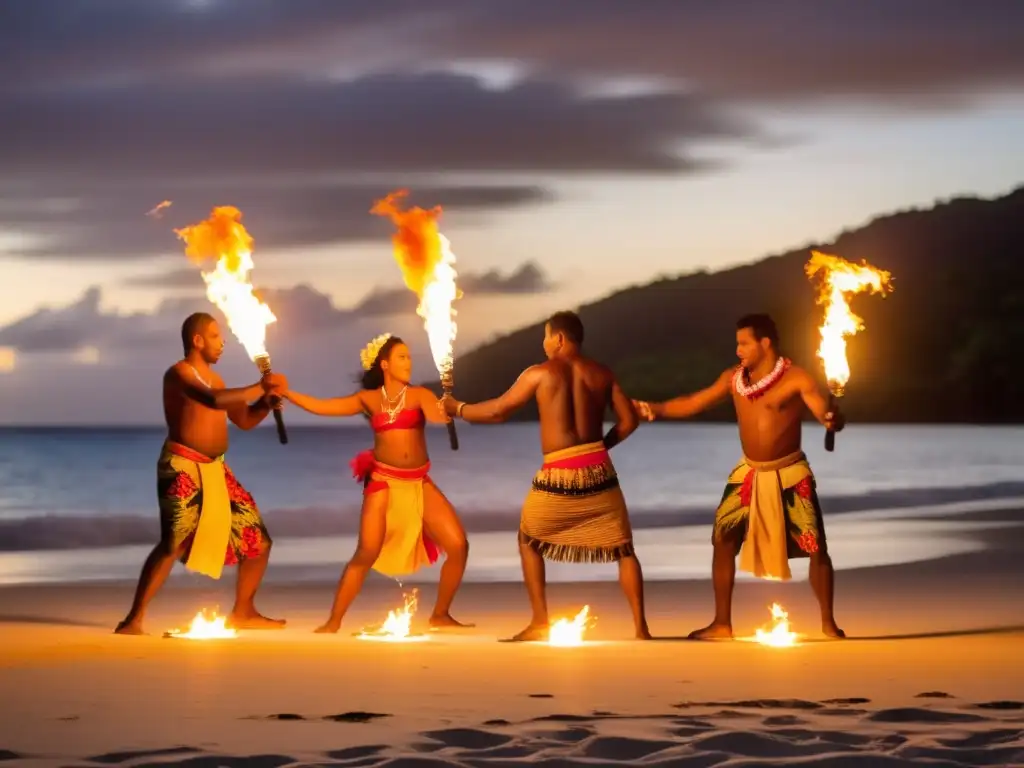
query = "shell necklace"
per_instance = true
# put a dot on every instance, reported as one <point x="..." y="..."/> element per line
<point x="755" y="390"/>
<point x="392" y="406"/>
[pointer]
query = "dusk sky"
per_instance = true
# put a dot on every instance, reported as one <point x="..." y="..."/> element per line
<point x="577" y="146"/>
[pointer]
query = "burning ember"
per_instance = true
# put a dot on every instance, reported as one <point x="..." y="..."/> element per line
<point x="157" y="211"/>
<point x="428" y="268"/>
<point x="397" y="627"/>
<point x="204" y="628"/>
<point x="779" y="635"/>
<point x="839" y="280"/>
<point x="569" y="632"/>
<point x="224" y="238"/>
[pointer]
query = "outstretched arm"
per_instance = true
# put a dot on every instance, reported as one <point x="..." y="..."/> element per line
<point x="500" y="408"/>
<point x="352" y="405"/>
<point x="626" y="420"/>
<point x="817" y="402"/>
<point x="685" y="406"/>
<point x="432" y="407"/>
<point x="248" y="416"/>
<point x="186" y="380"/>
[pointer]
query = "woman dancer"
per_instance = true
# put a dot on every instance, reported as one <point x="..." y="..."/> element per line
<point x="406" y="521"/>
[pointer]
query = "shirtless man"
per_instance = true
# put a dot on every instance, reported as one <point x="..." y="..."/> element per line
<point x="194" y="484"/>
<point x="769" y="394"/>
<point x="575" y="511"/>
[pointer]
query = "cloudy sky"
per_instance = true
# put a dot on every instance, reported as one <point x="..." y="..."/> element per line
<point x="577" y="146"/>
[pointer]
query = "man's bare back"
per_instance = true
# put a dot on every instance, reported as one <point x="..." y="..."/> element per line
<point x="190" y="422"/>
<point x="573" y="396"/>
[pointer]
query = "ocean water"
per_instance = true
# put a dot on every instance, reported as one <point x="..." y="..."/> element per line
<point x="80" y="503"/>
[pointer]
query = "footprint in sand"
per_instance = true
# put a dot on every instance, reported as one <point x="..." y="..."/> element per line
<point x="468" y="738"/>
<point x="355" y="753"/>
<point x="916" y="715"/>
<point x="355" y="717"/>
<point x="115" y="758"/>
<point x="1002" y="705"/>
<point x="843" y="702"/>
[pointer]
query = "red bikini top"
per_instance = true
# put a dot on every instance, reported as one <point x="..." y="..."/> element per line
<point x="407" y="418"/>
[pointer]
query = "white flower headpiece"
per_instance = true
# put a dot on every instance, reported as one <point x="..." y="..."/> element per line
<point x="369" y="354"/>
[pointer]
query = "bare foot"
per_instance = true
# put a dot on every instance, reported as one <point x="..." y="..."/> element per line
<point x="829" y="629"/>
<point x="532" y="633"/>
<point x="253" y="620"/>
<point x="129" y="628"/>
<point x="329" y="628"/>
<point x="644" y="633"/>
<point x="441" y="623"/>
<point x="712" y="631"/>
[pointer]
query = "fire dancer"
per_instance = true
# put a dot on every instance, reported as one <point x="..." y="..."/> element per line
<point x="575" y="512"/>
<point x="406" y="521"/>
<point x="770" y="507"/>
<point x="207" y="519"/>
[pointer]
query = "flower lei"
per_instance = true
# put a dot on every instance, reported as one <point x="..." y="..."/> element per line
<point x="368" y="356"/>
<point x="755" y="390"/>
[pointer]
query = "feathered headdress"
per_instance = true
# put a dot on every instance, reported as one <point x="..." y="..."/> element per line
<point x="369" y="354"/>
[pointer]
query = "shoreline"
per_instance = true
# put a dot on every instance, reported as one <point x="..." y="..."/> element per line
<point x="679" y="553"/>
<point x="40" y="533"/>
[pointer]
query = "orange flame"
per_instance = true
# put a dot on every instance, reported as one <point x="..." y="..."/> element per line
<point x="780" y="635"/>
<point x="427" y="265"/>
<point x="224" y="238"/>
<point x="570" y="632"/>
<point x="397" y="627"/>
<point x="839" y="279"/>
<point x="205" y="627"/>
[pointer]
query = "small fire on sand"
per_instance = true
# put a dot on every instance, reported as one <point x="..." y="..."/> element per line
<point x="839" y="280"/>
<point x="779" y="636"/>
<point x="569" y="632"/>
<point x="205" y="627"/>
<point x="397" y="627"/>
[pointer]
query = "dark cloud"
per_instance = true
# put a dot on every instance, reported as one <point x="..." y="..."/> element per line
<point x="381" y="123"/>
<point x="527" y="279"/>
<point x="897" y="50"/>
<point x="300" y="309"/>
<point x="106" y="221"/>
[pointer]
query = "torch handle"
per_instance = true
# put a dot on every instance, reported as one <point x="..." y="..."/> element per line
<point x="263" y="363"/>
<point x="453" y="436"/>
<point x="830" y="435"/>
<point x="282" y="433"/>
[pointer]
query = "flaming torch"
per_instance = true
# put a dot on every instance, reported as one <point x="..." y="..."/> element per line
<point x="224" y="238"/>
<point x="838" y="280"/>
<point x="428" y="268"/>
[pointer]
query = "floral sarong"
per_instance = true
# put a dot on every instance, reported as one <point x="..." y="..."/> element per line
<point x="771" y="510"/>
<point x="407" y="546"/>
<point x="206" y="510"/>
<point x="575" y="511"/>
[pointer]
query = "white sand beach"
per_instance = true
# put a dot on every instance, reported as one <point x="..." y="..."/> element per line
<point x="930" y="675"/>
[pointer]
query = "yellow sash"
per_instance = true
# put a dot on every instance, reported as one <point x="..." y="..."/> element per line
<point x="214" y="529"/>
<point x="765" y="548"/>
<point x="403" y="551"/>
